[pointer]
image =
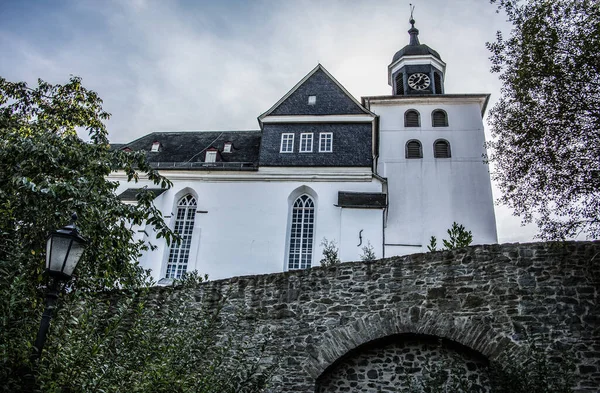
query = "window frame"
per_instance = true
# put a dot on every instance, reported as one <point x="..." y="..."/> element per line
<point x="309" y="135"/>
<point x="210" y="156"/>
<point x="301" y="237"/>
<point x="399" y="80"/>
<point x="406" y="155"/>
<point x="322" y="137"/>
<point x="178" y="254"/>
<point x="447" y="144"/>
<point x="291" y="142"/>
<point x="445" y="117"/>
<point x="418" y="118"/>
<point x="437" y="81"/>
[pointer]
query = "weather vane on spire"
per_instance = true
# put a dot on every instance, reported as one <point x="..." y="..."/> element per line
<point x="412" y="20"/>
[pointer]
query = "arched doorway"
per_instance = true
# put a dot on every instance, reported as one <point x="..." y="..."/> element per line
<point x="407" y="363"/>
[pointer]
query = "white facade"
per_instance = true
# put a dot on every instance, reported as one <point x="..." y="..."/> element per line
<point x="288" y="193"/>
<point x="242" y="225"/>
<point x="428" y="194"/>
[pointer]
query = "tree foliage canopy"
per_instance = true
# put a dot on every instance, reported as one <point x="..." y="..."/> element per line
<point x="546" y="124"/>
<point x="46" y="173"/>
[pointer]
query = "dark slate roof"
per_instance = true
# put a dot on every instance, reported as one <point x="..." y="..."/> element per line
<point x="332" y="98"/>
<point x="362" y="200"/>
<point x="117" y="146"/>
<point x="415" y="50"/>
<point x="186" y="149"/>
<point x="130" y="193"/>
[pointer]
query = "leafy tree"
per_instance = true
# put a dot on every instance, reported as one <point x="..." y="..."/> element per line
<point x="368" y="254"/>
<point x="158" y="340"/>
<point x="432" y="246"/>
<point x="546" y="124"/>
<point x="47" y="173"/>
<point x="459" y="237"/>
<point x="330" y="253"/>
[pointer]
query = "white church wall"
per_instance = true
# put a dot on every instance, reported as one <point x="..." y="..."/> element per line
<point x="428" y="194"/>
<point x="245" y="229"/>
<point x="360" y="227"/>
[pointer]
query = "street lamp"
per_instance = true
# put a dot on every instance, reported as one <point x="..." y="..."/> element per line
<point x="64" y="249"/>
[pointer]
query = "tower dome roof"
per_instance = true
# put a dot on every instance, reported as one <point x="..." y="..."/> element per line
<point x="415" y="48"/>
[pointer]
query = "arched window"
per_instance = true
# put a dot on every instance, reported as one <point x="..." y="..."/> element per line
<point x="184" y="226"/>
<point x="441" y="149"/>
<point x="413" y="149"/>
<point x="439" y="118"/>
<point x="411" y="118"/>
<point x="301" y="233"/>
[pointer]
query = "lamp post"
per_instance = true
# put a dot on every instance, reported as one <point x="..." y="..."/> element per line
<point x="64" y="249"/>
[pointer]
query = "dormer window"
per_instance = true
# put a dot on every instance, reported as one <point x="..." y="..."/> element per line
<point x="155" y="147"/>
<point x="227" y="147"/>
<point x="312" y="100"/>
<point x="211" y="156"/>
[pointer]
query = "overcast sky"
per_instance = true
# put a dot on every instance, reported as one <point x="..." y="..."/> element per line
<point x="170" y="65"/>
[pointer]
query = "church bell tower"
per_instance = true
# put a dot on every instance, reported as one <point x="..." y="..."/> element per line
<point x="430" y="148"/>
<point x="416" y="69"/>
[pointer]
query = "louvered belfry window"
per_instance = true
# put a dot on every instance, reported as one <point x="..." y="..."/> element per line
<point x="301" y="233"/>
<point x="441" y="149"/>
<point x="413" y="149"/>
<point x="437" y="81"/>
<point x="399" y="84"/>
<point x="411" y="118"/>
<point x="179" y="254"/>
<point x="439" y="118"/>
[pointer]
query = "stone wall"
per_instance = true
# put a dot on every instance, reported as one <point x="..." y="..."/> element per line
<point x="398" y="363"/>
<point x="489" y="299"/>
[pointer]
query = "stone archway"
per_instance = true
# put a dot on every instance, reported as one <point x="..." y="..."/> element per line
<point x="406" y="362"/>
<point x="468" y="331"/>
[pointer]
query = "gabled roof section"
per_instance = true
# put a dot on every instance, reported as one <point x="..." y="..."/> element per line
<point x="331" y="98"/>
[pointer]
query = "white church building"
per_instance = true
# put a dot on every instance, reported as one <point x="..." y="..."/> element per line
<point x="390" y="171"/>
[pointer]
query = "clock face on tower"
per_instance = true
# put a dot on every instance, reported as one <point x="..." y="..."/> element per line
<point x="418" y="81"/>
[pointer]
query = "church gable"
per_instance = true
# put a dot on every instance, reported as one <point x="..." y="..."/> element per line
<point x="317" y="94"/>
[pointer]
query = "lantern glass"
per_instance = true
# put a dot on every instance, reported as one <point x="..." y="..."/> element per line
<point x="63" y="252"/>
<point x="73" y="257"/>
